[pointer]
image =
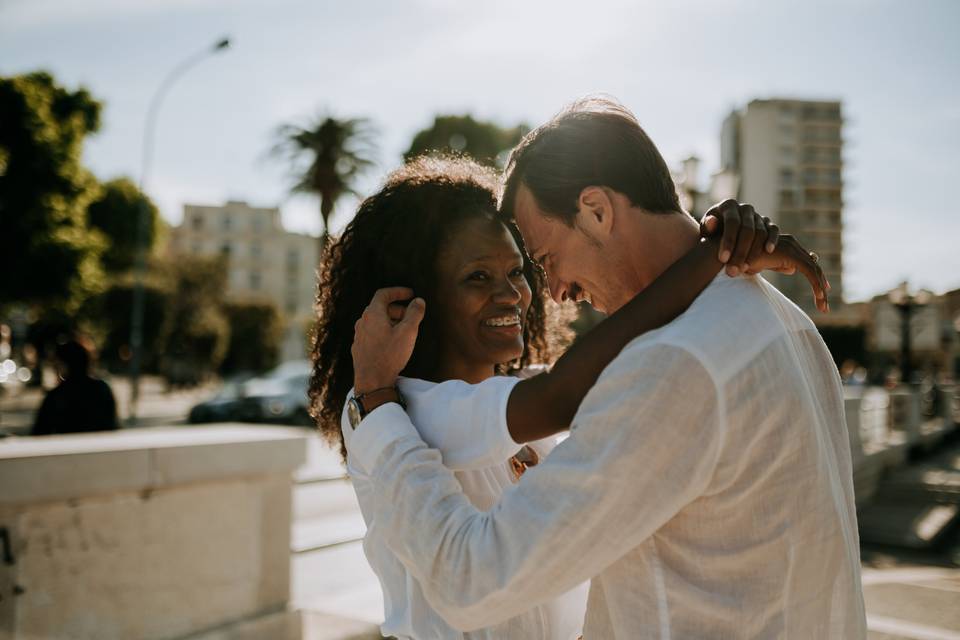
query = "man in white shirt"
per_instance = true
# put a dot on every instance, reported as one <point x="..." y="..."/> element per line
<point x="706" y="484"/>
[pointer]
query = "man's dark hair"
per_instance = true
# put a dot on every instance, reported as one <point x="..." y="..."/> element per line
<point x="595" y="141"/>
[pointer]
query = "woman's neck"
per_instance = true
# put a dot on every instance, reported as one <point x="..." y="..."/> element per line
<point x="463" y="371"/>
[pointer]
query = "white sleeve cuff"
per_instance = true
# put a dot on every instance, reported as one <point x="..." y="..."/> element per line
<point x="378" y="430"/>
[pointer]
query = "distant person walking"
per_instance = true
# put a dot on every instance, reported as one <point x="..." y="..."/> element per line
<point x="80" y="402"/>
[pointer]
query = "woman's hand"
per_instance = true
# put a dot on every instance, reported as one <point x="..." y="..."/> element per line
<point x="746" y="234"/>
<point x="751" y="243"/>
<point x="789" y="257"/>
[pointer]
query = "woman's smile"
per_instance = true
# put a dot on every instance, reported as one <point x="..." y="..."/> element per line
<point x="481" y="285"/>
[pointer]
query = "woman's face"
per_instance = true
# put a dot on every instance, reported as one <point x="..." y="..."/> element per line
<point x="483" y="297"/>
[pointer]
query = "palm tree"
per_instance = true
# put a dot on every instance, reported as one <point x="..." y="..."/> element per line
<point x="326" y="159"/>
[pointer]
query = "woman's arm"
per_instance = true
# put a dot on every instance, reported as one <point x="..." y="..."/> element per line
<point x="545" y="404"/>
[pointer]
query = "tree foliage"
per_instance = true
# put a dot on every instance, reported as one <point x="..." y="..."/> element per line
<point x="485" y="141"/>
<point x="194" y="336"/>
<point x="108" y="317"/>
<point x="255" y="335"/>
<point x="45" y="191"/>
<point x="115" y="214"/>
<point x="326" y="158"/>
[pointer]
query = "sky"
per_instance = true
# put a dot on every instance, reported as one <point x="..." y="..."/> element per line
<point x="680" y="66"/>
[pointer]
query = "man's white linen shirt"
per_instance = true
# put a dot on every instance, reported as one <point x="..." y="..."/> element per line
<point x="706" y="488"/>
<point x="478" y="451"/>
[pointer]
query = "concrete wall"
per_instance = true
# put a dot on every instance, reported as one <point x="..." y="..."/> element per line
<point x="152" y="533"/>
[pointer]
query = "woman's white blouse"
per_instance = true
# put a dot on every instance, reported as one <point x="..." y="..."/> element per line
<point x="479" y="458"/>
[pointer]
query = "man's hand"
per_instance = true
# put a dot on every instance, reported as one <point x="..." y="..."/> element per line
<point x="381" y="346"/>
<point x="790" y="256"/>
<point x="746" y="234"/>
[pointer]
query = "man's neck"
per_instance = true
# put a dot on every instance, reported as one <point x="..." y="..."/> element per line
<point x="656" y="242"/>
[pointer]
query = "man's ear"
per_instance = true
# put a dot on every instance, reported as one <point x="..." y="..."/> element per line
<point x="596" y="211"/>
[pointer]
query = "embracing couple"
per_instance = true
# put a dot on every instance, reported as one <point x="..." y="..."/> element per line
<point x="703" y="488"/>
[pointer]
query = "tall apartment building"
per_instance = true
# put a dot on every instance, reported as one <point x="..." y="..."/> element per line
<point x="787" y="156"/>
<point x="266" y="262"/>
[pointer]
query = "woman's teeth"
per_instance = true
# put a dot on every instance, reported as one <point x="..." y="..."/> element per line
<point x="504" y="321"/>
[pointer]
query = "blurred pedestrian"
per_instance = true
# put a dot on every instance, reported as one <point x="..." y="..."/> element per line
<point x="80" y="402"/>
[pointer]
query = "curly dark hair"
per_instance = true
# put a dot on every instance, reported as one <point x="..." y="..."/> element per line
<point x="394" y="240"/>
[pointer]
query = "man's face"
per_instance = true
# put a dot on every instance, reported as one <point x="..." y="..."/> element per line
<point x="573" y="261"/>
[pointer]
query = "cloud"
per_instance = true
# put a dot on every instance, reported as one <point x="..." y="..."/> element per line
<point x="31" y="14"/>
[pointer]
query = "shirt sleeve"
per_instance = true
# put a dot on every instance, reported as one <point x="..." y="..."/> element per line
<point x="466" y="423"/>
<point x="640" y="450"/>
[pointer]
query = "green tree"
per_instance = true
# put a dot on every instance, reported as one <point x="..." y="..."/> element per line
<point x="255" y="335"/>
<point x="114" y="213"/>
<point x="195" y="333"/>
<point x="44" y="193"/>
<point x="326" y="159"/>
<point x="108" y="315"/>
<point x="485" y="141"/>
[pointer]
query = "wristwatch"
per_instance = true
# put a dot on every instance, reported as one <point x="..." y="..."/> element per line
<point x="357" y="411"/>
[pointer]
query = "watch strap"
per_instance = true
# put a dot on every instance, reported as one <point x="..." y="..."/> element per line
<point x="378" y="397"/>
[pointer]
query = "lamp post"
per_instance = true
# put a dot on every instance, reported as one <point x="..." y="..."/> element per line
<point x="140" y="265"/>
<point x="907" y="304"/>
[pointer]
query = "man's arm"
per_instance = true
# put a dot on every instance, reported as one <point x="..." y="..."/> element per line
<point x="639" y="451"/>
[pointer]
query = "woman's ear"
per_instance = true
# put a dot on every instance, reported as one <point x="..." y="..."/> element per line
<point x="596" y="211"/>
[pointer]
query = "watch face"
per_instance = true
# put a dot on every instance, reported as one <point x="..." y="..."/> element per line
<point x="353" y="412"/>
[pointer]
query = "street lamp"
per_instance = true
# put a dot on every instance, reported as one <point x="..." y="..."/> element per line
<point x="907" y="303"/>
<point x="140" y="266"/>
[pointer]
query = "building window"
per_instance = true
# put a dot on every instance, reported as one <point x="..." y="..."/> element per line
<point x="197" y="221"/>
<point x="291" y="306"/>
<point x="227" y="221"/>
<point x="255" y="250"/>
<point x="225" y="250"/>
<point x="786" y="177"/>
<point x="293" y="261"/>
<point x="255" y="280"/>
<point x="197" y="248"/>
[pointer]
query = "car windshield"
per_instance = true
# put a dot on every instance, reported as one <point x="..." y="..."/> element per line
<point x="229" y="391"/>
<point x="298" y="383"/>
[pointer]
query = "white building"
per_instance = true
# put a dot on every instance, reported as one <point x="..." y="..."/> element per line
<point x="266" y="263"/>
<point x="787" y="158"/>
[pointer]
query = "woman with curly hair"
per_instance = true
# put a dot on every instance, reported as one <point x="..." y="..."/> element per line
<point x="433" y="228"/>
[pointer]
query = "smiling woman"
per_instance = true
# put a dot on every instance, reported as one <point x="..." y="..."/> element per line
<point x="433" y="227"/>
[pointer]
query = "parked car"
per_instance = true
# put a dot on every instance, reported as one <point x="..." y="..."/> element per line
<point x="279" y="396"/>
<point x="224" y="406"/>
